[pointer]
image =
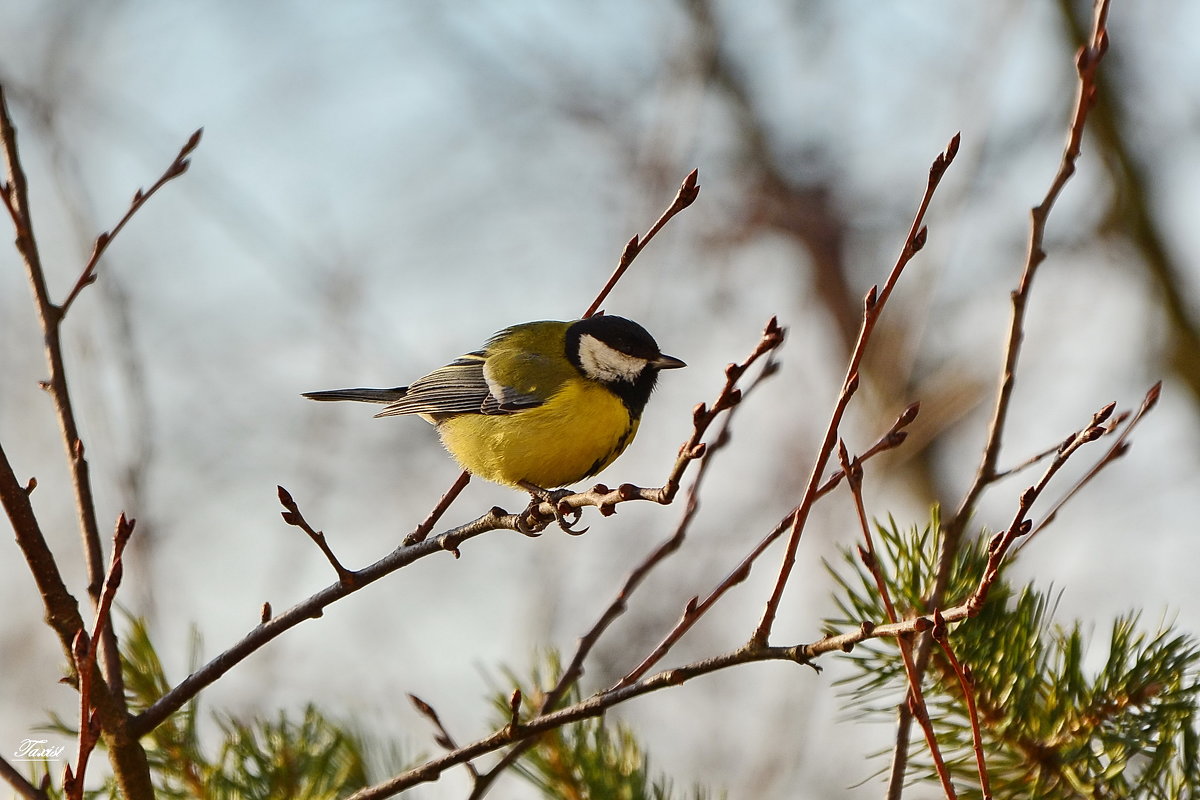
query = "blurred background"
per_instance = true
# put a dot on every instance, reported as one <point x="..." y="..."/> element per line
<point x="382" y="185"/>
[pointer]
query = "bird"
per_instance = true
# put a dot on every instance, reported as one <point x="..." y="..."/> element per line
<point x="541" y="405"/>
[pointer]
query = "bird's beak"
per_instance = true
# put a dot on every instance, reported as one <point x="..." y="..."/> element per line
<point x="667" y="362"/>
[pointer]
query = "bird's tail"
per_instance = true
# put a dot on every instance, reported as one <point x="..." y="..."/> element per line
<point x="360" y="395"/>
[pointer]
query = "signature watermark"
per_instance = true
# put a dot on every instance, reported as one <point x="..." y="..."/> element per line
<point x="38" y="750"/>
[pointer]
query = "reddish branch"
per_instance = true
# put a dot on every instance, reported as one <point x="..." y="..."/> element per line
<point x="689" y="190"/>
<point x="751" y="652"/>
<point x="872" y="309"/>
<point x="84" y="651"/>
<point x="1087" y="63"/>
<point x="852" y="468"/>
<point x="697" y="608"/>
<point x="966" y="683"/>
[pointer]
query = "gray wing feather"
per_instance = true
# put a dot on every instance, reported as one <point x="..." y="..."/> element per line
<point x="460" y="387"/>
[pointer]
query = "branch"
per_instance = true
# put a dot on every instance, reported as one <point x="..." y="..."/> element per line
<point x="292" y="516"/>
<point x="854" y="477"/>
<point x="16" y="198"/>
<point x="84" y="651"/>
<point x="966" y="682"/>
<point x="1119" y="448"/>
<point x="443" y="736"/>
<point x="177" y="167"/>
<point x="1087" y="62"/>
<point x="689" y="190"/>
<point x="694" y="610"/>
<point x="126" y="754"/>
<point x="21" y="784"/>
<point x="495" y="519"/>
<point x="872" y="309"/>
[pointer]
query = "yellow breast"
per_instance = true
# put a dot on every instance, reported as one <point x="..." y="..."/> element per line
<point x="574" y="435"/>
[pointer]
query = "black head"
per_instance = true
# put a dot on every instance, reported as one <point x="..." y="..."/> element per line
<point x="620" y="354"/>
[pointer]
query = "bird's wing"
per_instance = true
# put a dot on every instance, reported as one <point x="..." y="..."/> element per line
<point x="470" y="384"/>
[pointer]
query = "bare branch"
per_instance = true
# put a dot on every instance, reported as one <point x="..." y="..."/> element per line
<point x="1118" y="449"/>
<point x="689" y="190"/>
<point x="292" y="516"/>
<point x="872" y="308"/>
<point x="421" y="531"/>
<point x="177" y="167"/>
<point x="19" y="782"/>
<point x="697" y="608"/>
<point x="84" y="653"/>
<point x="1087" y="63"/>
<point x="966" y="682"/>
<point x="443" y="737"/>
<point x="916" y="698"/>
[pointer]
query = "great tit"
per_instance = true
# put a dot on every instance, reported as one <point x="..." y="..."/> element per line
<point x="541" y="405"/>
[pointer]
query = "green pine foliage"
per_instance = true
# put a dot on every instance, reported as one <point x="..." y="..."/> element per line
<point x="1054" y="723"/>
<point x="594" y="759"/>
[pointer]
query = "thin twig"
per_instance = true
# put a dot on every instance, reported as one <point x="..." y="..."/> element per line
<point x="852" y="468"/>
<point x="292" y="516"/>
<point x="1021" y="525"/>
<point x="689" y="190"/>
<point x="421" y="531"/>
<point x="1087" y="62"/>
<point x="125" y="753"/>
<point x="966" y="682"/>
<point x="1119" y="448"/>
<point x="20" y="783"/>
<point x="84" y="651"/>
<point x="140" y="197"/>
<point x="443" y="736"/>
<point x="872" y="308"/>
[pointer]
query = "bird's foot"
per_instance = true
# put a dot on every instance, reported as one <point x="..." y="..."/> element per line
<point x="566" y="520"/>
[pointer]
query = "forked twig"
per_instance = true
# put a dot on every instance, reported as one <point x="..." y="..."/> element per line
<point x="292" y="516"/>
<point x="1118" y="449"/>
<point x="443" y="736"/>
<point x="852" y="468"/>
<point x="84" y="651"/>
<point x="697" y="608"/>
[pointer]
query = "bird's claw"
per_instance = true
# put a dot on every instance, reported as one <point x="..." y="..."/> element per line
<point x="566" y="522"/>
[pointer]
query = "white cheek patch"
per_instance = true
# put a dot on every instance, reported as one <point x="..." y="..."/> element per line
<point x="603" y="363"/>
